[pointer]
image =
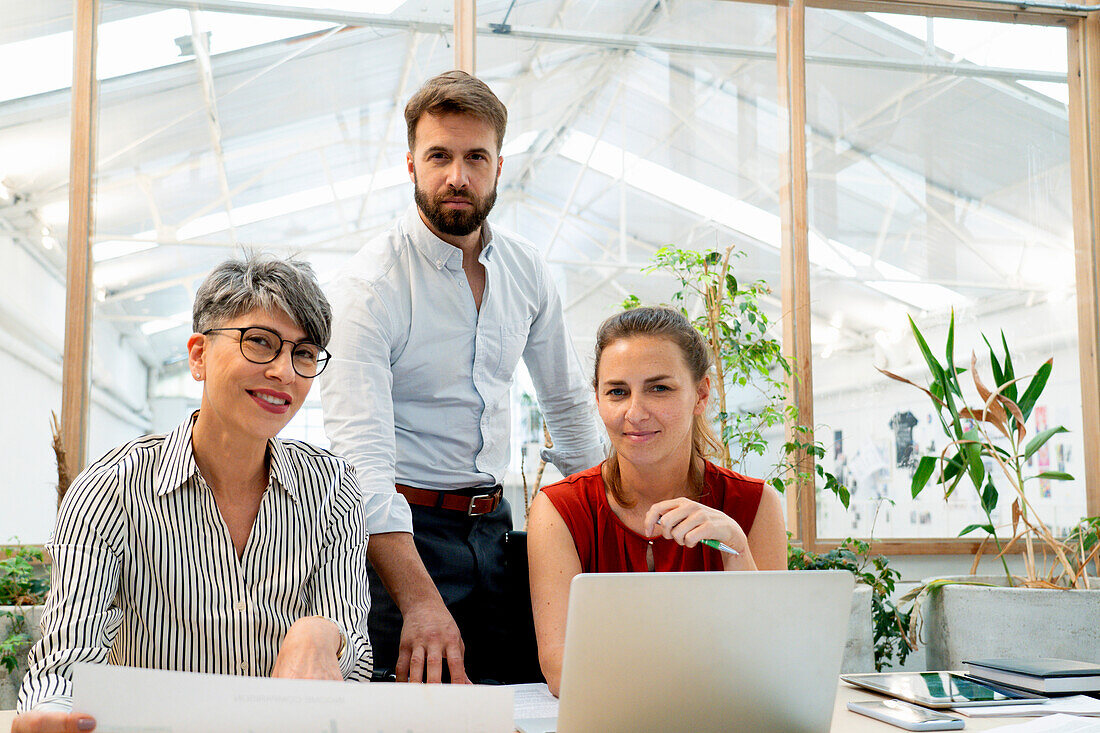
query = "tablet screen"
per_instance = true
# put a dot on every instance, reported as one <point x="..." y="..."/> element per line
<point x="939" y="689"/>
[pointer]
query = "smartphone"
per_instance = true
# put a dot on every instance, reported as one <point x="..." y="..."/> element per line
<point x="906" y="715"/>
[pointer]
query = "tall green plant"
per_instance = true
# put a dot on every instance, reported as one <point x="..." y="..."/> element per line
<point x="996" y="430"/>
<point x="738" y="331"/>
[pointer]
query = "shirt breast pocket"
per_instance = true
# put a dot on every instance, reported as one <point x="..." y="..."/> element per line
<point x="513" y="339"/>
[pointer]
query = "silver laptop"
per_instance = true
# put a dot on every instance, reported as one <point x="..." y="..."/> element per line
<point x="702" y="652"/>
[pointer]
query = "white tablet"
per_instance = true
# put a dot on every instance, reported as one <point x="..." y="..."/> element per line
<point x="940" y="689"/>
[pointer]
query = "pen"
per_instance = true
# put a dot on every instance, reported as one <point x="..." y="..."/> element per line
<point x="720" y="546"/>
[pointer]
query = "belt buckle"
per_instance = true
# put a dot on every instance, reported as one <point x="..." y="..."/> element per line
<point x="472" y="512"/>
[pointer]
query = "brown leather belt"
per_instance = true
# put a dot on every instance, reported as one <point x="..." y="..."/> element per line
<point x="471" y="506"/>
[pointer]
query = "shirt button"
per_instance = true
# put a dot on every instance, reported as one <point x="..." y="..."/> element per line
<point x="240" y="606"/>
<point x="243" y="667"/>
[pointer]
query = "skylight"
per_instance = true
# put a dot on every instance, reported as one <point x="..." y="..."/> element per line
<point x="763" y="226"/>
<point x="147" y="42"/>
<point x="1006" y="45"/>
<point x="313" y="197"/>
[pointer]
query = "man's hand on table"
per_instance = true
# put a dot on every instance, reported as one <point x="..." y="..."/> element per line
<point x="52" y="722"/>
<point x="429" y="635"/>
<point x="309" y="651"/>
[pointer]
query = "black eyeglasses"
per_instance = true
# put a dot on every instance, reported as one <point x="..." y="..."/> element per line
<point x="262" y="346"/>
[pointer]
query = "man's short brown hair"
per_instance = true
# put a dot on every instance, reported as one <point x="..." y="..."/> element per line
<point x="456" y="92"/>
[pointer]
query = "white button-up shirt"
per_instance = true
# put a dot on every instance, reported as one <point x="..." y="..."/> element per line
<point x="417" y="388"/>
<point x="145" y="573"/>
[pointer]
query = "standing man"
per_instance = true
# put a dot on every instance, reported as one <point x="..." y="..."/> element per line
<point x="431" y="319"/>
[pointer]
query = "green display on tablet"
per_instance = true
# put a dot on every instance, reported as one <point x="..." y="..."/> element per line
<point x="940" y="689"/>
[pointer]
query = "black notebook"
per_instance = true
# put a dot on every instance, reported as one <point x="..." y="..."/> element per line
<point x="1038" y="675"/>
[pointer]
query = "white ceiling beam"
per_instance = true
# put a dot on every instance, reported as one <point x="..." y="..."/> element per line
<point x="583" y="170"/>
<point x="396" y="112"/>
<point x="200" y="47"/>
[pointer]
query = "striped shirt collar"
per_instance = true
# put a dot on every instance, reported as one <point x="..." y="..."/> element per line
<point x="176" y="463"/>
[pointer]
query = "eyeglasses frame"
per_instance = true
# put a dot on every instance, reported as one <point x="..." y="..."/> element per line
<point x="240" y="344"/>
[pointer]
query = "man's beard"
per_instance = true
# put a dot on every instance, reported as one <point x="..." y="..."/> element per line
<point x="455" y="222"/>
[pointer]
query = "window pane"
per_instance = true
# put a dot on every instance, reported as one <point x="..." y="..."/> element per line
<point x="36" y="55"/>
<point x="938" y="179"/>
<point x="223" y="131"/>
<point x="642" y="125"/>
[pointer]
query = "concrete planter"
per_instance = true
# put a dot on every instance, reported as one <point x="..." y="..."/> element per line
<point x="859" y="650"/>
<point x="9" y="683"/>
<point x="963" y="622"/>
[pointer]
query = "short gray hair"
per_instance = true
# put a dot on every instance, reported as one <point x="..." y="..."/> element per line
<point x="238" y="286"/>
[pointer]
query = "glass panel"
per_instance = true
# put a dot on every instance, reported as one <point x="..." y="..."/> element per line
<point x="222" y="131"/>
<point x="938" y="179"/>
<point x="36" y="53"/>
<point x="637" y="125"/>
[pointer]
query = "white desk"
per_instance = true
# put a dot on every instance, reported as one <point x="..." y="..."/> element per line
<point x="844" y="720"/>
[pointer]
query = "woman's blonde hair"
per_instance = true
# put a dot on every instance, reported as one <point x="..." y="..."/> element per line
<point x="672" y="325"/>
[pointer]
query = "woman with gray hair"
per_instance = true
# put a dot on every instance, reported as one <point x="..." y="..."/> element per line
<point x="216" y="548"/>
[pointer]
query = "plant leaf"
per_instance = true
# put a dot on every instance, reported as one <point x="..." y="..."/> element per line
<point x="1056" y="475"/>
<point x="949" y="350"/>
<point x="989" y="498"/>
<point x="971" y="527"/>
<point x="952" y="467"/>
<point x="984" y="416"/>
<point x="1018" y="417"/>
<point x="995" y="365"/>
<point x="903" y="380"/>
<point x="1009" y="374"/>
<point x="992" y="405"/>
<point x="933" y="365"/>
<point x="1039" y="440"/>
<point x="1035" y="387"/>
<point x="924" y="471"/>
<point x="971" y="451"/>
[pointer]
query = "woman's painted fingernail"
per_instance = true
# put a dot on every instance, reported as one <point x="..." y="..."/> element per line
<point x="85" y="724"/>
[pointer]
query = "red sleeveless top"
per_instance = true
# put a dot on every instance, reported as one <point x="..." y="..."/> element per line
<point x="606" y="545"/>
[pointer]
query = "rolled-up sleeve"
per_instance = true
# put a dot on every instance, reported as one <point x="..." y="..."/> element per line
<point x="81" y="618"/>
<point x="357" y="400"/>
<point x="564" y="394"/>
<point x="338" y="588"/>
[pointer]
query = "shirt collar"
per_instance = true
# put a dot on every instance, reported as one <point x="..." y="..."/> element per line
<point x="176" y="463"/>
<point x="280" y="473"/>
<point x="435" y="250"/>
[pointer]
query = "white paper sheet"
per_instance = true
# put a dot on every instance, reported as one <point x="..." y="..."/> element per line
<point x="533" y="701"/>
<point x="1058" y="723"/>
<point x="128" y="700"/>
<point x="1072" y="705"/>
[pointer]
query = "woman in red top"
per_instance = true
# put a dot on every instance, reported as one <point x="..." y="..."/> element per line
<point x="648" y="506"/>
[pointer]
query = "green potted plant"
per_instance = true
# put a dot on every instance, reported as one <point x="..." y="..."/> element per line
<point x="23" y="590"/>
<point x="988" y="447"/>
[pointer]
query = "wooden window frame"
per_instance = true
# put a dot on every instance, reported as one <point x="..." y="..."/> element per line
<point x="1083" y="48"/>
<point x="1083" y="78"/>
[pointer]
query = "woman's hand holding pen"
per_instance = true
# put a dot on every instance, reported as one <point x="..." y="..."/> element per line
<point x="688" y="523"/>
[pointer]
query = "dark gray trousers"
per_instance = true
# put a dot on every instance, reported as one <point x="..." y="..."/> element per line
<point x="465" y="557"/>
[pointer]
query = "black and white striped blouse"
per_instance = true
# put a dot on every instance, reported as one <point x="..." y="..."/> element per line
<point x="145" y="573"/>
